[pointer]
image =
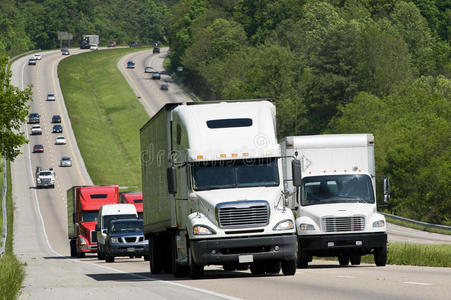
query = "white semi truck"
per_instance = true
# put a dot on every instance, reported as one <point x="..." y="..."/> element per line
<point x="335" y="205"/>
<point x="213" y="190"/>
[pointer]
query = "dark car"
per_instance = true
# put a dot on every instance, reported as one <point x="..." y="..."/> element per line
<point x="134" y="44"/>
<point x="164" y="87"/>
<point x="56" y="119"/>
<point x="126" y="238"/>
<point x="33" y="118"/>
<point x="156" y="75"/>
<point x="32" y="61"/>
<point x="130" y="65"/>
<point x="57" y="128"/>
<point x="156" y="50"/>
<point x="38" y="148"/>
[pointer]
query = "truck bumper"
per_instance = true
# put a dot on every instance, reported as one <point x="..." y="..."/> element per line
<point x="336" y="244"/>
<point x="88" y="248"/>
<point x="132" y="249"/>
<point x="221" y="251"/>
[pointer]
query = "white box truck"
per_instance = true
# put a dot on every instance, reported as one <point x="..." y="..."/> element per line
<point x="213" y="190"/>
<point x="335" y="205"/>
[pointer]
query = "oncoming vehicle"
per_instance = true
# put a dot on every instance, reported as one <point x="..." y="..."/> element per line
<point x="66" y="161"/>
<point x="148" y="69"/>
<point x="36" y="130"/>
<point x="45" y="179"/>
<point x="126" y="238"/>
<point x="51" y="97"/>
<point x="156" y="75"/>
<point x="60" y="140"/>
<point x="37" y="56"/>
<point x="164" y="87"/>
<point x="56" y="119"/>
<point x="94" y="47"/>
<point x="32" y="61"/>
<point x="33" y="118"/>
<point x="130" y="65"/>
<point x="57" y="128"/>
<point x="65" y="52"/>
<point x="156" y="50"/>
<point x="38" y="148"/>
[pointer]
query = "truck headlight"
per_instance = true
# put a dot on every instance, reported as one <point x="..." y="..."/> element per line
<point x="114" y="240"/>
<point x="306" y="227"/>
<point x="380" y="223"/>
<point x="284" y="225"/>
<point x="39" y="180"/>
<point x="202" y="230"/>
<point x="83" y="241"/>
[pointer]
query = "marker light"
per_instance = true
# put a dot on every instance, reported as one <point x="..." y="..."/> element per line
<point x="234" y="155"/>
<point x="245" y="154"/>
<point x="306" y="227"/>
<point x="202" y="230"/>
<point x="200" y="157"/>
<point x="222" y="155"/>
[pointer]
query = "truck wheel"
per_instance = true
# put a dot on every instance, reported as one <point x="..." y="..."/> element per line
<point x="195" y="271"/>
<point x="177" y="269"/>
<point x="343" y="260"/>
<point x="302" y="260"/>
<point x="289" y="267"/>
<point x="155" y="258"/>
<point x="258" y="268"/>
<point x="355" y="259"/>
<point x="108" y="258"/>
<point x="273" y="267"/>
<point x="147" y="257"/>
<point x="73" y="248"/>
<point x="380" y="256"/>
<point x="80" y="254"/>
<point x="100" y="253"/>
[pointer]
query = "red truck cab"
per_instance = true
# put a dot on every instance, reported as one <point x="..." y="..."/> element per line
<point x="135" y="198"/>
<point x="83" y="204"/>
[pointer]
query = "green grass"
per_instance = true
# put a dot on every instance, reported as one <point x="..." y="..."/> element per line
<point x="11" y="270"/>
<point x="105" y="115"/>
<point x="1" y="209"/>
<point x="419" y="227"/>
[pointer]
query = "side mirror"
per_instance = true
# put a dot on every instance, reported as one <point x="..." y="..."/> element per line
<point x="105" y="231"/>
<point x="386" y="189"/>
<point x="172" y="180"/>
<point x="296" y="172"/>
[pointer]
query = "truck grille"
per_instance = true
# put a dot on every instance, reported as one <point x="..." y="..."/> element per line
<point x="45" y="180"/>
<point x="243" y="214"/>
<point x="340" y="224"/>
<point x="93" y="236"/>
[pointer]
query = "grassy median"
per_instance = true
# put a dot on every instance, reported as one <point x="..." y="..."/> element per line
<point x="11" y="270"/>
<point x="105" y="115"/>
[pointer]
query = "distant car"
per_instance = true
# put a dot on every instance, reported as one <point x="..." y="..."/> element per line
<point x="134" y="44"/>
<point x="51" y="97"/>
<point x="65" y="52"/>
<point x="126" y="238"/>
<point x="94" y="47"/>
<point x="130" y="65"/>
<point x="56" y="119"/>
<point x="60" y="140"/>
<point x="156" y="75"/>
<point x="33" y="118"/>
<point x="37" y="56"/>
<point x="148" y="69"/>
<point x="164" y="87"/>
<point x="32" y="62"/>
<point x="156" y="43"/>
<point x="38" y="148"/>
<point x="66" y="161"/>
<point x="36" y="130"/>
<point x="112" y="44"/>
<point x="156" y="50"/>
<point x="57" y="128"/>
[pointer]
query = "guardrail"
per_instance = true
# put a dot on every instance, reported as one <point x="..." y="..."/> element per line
<point x="5" y="221"/>
<point x="418" y="222"/>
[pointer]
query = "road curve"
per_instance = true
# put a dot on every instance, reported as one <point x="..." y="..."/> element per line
<point x="41" y="237"/>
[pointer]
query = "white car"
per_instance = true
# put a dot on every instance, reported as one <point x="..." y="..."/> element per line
<point x="66" y="161"/>
<point x="148" y="69"/>
<point x="94" y="47"/>
<point x="51" y="97"/>
<point x="36" y="129"/>
<point x="60" y="140"/>
<point x="37" y="56"/>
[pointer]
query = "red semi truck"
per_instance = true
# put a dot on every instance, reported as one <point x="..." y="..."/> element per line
<point x="135" y="198"/>
<point x="83" y="204"/>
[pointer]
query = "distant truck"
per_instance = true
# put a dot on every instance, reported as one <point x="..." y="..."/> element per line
<point x="135" y="198"/>
<point x="83" y="204"/>
<point x="335" y="207"/>
<point x="45" y="178"/>
<point x="88" y="40"/>
<point x="213" y="189"/>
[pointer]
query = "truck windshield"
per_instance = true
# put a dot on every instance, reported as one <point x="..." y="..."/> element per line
<point x="107" y="219"/>
<point x="127" y="226"/>
<point x="89" y="216"/>
<point x="337" y="189"/>
<point x="235" y="174"/>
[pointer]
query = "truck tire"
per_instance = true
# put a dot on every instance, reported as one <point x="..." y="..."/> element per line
<point x="73" y="248"/>
<point x="258" y="268"/>
<point x="177" y="269"/>
<point x="147" y="257"/>
<point x="108" y="258"/>
<point x="273" y="267"/>
<point x="80" y="254"/>
<point x="302" y="260"/>
<point x="380" y="256"/>
<point x="355" y="260"/>
<point x="155" y="257"/>
<point x="195" y="271"/>
<point x="343" y="260"/>
<point x="289" y="267"/>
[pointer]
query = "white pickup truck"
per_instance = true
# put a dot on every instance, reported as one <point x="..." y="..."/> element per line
<point x="36" y="129"/>
<point x="45" y="178"/>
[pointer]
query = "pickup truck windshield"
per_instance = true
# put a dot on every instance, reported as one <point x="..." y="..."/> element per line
<point x="337" y="189"/>
<point x="235" y="174"/>
<point x="45" y="174"/>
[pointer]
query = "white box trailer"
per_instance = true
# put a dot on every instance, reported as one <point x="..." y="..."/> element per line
<point x="335" y="206"/>
<point x="213" y="189"/>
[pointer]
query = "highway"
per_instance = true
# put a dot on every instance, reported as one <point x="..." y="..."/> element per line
<point x="40" y="229"/>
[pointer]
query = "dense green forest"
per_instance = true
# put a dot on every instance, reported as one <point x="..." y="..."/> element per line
<point x="336" y="66"/>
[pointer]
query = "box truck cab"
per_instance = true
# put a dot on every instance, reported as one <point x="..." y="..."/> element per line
<point x="106" y="214"/>
<point x="135" y="198"/>
<point x="213" y="189"/>
<point x="83" y="204"/>
<point x="335" y="206"/>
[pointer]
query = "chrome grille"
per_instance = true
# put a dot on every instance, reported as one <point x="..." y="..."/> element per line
<point x="243" y="214"/>
<point x="93" y="236"/>
<point x="340" y="224"/>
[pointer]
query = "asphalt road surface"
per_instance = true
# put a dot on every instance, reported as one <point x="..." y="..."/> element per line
<point x="40" y="230"/>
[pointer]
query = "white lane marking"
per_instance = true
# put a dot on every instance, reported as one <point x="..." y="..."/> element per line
<point x="346" y="276"/>
<point x="108" y="268"/>
<point x="417" y="283"/>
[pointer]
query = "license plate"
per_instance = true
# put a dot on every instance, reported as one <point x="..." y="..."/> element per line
<point x="242" y="259"/>
<point x="131" y="249"/>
